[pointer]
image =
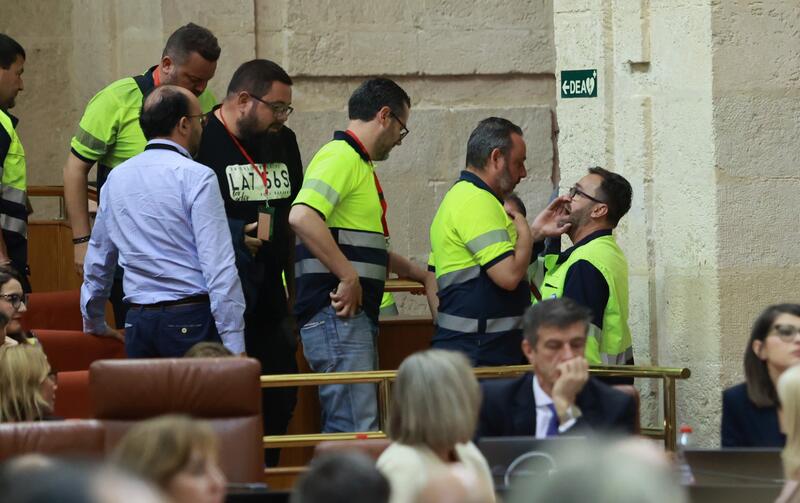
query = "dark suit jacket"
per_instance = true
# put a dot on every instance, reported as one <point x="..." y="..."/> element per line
<point x="509" y="410"/>
<point x="745" y="425"/>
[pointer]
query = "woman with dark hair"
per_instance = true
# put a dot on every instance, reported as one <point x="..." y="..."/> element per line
<point x="750" y="410"/>
<point x="12" y="303"/>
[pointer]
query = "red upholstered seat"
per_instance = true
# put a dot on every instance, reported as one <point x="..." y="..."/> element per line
<point x="54" y="310"/>
<point x="69" y="350"/>
<point x="72" y="395"/>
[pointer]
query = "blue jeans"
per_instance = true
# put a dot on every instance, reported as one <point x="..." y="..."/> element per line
<point x="333" y="344"/>
<point x="168" y="331"/>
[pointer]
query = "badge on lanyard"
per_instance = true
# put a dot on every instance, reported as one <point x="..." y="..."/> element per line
<point x="266" y="222"/>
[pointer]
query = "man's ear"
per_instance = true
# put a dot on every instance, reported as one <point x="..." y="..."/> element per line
<point x="600" y="211"/>
<point x="528" y="350"/>
<point x="167" y="64"/>
<point x="384" y="114"/>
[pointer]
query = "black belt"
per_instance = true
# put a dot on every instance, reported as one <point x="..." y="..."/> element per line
<point x="195" y="299"/>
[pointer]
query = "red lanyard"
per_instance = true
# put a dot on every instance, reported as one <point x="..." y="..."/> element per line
<point x="384" y="205"/>
<point x="261" y="174"/>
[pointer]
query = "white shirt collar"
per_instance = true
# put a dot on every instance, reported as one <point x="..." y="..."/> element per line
<point x="165" y="141"/>
<point x="541" y="398"/>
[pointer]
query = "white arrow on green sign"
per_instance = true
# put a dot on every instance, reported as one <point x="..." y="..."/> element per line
<point x="579" y="84"/>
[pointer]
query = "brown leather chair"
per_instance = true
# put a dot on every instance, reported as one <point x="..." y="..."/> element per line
<point x="70" y="350"/>
<point x="372" y="447"/>
<point x="631" y="390"/>
<point x="81" y="438"/>
<point x="225" y="392"/>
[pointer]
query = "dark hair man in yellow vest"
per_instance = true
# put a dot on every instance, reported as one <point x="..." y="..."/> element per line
<point x="343" y="256"/>
<point x="109" y="134"/>
<point x="594" y="271"/>
<point x="13" y="185"/>
<point x="480" y="251"/>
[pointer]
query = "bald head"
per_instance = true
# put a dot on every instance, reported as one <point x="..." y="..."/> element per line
<point x="172" y="112"/>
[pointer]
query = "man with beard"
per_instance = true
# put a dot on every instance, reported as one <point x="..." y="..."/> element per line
<point x="162" y="217"/>
<point x="13" y="183"/>
<point x="343" y="256"/>
<point x="109" y="133"/>
<point x="257" y="162"/>
<point x="594" y="271"/>
<point x="480" y="251"/>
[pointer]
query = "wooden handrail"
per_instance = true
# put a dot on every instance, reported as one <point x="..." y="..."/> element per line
<point x="56" y="191"/>
<point x="383" y="378"/>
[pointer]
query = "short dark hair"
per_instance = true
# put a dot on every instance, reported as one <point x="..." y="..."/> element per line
<point x="161" y="111"/>
<point x="9" y="50"/>
<point x="374" y="94"/>
<point x="341" y="477"/>
<point x="491" y="133"/>
<point x="192" y="38"/>
<point x="559" y="313"/>
<point x="760" y="388"/>
<point x="256" y="77"/>
<point x="517" y="201"/>
<point x="617" y="193"/>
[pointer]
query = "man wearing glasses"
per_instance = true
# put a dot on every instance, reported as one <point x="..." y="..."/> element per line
<point x="343" y="257"/>
<point x="109" y="132"/>
<point x="162" y="217"/>
<point x="257" y="162"/>
<point x="594" y="271"/>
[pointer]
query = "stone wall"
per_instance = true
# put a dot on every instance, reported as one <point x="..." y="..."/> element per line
<point x="459" y="61"/>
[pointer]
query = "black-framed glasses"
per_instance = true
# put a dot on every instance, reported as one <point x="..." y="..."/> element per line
<point x="203" y="118"/>
<point x="787" y="333"/>
<point x="15" y="299"/>
<point x="404" y="131"/>
<point x="574" y="190"/>
<point x="278" y="108"/>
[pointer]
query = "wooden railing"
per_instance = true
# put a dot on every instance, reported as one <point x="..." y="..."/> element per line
<point x="383" y="378"/>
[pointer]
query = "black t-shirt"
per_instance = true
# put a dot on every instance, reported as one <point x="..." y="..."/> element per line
<point x="243" y="194"/>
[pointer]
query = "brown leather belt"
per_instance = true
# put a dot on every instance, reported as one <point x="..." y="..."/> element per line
<point x="195" y="299"/>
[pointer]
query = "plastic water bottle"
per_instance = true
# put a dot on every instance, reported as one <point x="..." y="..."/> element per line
<point x="684" y="442"/>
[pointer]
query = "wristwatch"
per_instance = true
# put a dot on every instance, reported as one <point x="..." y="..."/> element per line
<point x="571" y="414"/>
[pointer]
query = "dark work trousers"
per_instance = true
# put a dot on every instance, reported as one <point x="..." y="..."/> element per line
<point x="169" y="331"/>
<point x="274" y="343"/>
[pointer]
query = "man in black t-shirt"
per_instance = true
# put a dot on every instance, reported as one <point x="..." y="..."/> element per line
<point x="257" y="162"/>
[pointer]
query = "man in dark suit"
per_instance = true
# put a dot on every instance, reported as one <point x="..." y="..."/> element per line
<point x="559" y="397"/>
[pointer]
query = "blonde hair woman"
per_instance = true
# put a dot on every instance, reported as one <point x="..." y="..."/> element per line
<point x="177" y="453"/>
<point x="27" y="385"/>
<point x="436" y="400"/>
<point x="788" y="387"/>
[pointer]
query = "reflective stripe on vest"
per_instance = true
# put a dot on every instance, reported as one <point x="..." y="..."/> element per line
<point x="604" y="254"/>
<point x="14" y="182"/>
<point x="471" y="325"/>
<point x="364" y="269"/>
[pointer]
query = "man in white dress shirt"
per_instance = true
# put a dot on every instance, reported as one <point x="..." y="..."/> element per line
<point x="161" y="215"/>
<point x="558" y="397"/>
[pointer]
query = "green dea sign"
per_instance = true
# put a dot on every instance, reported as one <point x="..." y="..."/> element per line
<point x="579" y="84"/>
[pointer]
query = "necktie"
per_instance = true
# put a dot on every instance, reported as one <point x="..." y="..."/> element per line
<point x="552" y="426"/>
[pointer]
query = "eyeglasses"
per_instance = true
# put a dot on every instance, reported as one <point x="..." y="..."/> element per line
<point x="203" y="118"/>
<point x="277" y="108"/>
<point x="53" y="376"/>
<point x="574" y="190"/>
<point x="404" y="131"/>
<point x="787" y="333"/>
<point x="15" y="299"/>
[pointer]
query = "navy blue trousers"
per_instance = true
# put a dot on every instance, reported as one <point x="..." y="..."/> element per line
<point x="169" y="331"/>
